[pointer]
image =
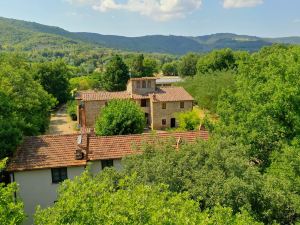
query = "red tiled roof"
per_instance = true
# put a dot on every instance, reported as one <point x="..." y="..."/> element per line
<point x="46" y="151"/>
<point x="172" y="94"/>
<point x="102" y="95"/>
<point x="161" y="95"/>
<point x="59" y="151"/>
<point x="116" y="147"/>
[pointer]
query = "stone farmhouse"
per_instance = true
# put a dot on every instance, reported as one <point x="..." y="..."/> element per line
<point x="160" y="104"/>
<point x="42" y="162"/>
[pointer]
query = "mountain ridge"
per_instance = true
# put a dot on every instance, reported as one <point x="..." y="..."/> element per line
<point x="32" y="35"/>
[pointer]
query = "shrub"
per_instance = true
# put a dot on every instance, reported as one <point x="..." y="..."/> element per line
<point x="71" y="110"/>
<point x="120" y="117"/>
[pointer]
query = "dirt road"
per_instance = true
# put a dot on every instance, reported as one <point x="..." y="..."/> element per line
<point x="61" y="123"/>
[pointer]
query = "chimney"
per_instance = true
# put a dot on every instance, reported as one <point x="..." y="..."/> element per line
<point x="81" y="151"/>
<point x="92" y="132"/>
<point x="79" y="155"/>
<point x="79" y="139"/>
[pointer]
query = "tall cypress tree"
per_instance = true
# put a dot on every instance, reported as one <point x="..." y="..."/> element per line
<point x="116" y="75"/>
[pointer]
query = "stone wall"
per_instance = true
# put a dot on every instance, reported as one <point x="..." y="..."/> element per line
<point x="158" y="114"/>
<point x="154" y="110"/>
<point x="132" y="86"/>
<point x="146" y="109"/>
<point x="92" y="111"/>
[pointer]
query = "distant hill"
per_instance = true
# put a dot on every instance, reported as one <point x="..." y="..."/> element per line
<point x="18" y="34"/>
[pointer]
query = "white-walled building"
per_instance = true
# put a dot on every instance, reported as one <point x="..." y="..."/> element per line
<point x="42" y="162"/>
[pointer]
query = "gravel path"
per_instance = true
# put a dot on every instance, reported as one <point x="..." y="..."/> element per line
<point x="61" y="123"/>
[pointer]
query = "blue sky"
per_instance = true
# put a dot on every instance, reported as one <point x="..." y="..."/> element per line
<point x="266" y="18"/>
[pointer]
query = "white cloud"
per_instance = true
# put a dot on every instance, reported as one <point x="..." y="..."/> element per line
<point x="241" y="3"/>
<point x="161" y="10"/>
<point x="296" y="21"/>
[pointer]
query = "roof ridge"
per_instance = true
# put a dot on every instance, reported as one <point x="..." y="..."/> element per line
<point x="53" y="135"/>
<point x="172" y="87"/>
<point x="51" y="151"/>
<point x="100" y="91"/>
<point x="148" y="134"/>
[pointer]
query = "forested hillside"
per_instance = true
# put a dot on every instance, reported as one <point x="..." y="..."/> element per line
<point x="246" y="173"/>
<point x="22" y="35"/>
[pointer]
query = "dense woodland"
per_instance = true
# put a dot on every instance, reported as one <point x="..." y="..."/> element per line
<point x="27" y="36"/>
<point x="247" y="173"/>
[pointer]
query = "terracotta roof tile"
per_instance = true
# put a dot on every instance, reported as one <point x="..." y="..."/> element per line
<point x="49" y="151"/>
<point x="161" y="94"/>
<point x="114" y="147"/>
<point x="170" y="94"/>
<point x="46" y="151"/>
<point x="102" y="95"/>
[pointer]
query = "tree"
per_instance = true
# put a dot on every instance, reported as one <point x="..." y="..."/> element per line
<point x="31" y="102"/>
<point x="214" y="172"/>
<point x="120" y="117"/>
<point x="11" y="208"/>
<point x="264" y="111"/>
<point x="140" y="66"/>
<point x="54" y="77"/>
<point x="170" y="69"/>
<point x="281" y="189"/>
<point x="72" y="109"/>
<point x="92" y="81"/>
<point x="110" y="198"/>
<point x="10" y="127"/>
<point x="137" y="68"/>
<point x="188" y="120"/>
<point x="187" y="65"/>
<point x="207" y="88"/>
<point x="116" y="75"/>
<point x="217" y="60"/>
<point x="150" y="67"/>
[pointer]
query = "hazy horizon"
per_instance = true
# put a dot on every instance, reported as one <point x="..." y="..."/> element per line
<point x="135" y="18"/>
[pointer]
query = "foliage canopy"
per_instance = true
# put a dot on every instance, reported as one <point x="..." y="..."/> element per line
<point x="264" y="111"/>
<point x="120" y="117"/>
<point x="11" y="209"/>
<point x="115" y="199"/>
<point x="116" y="75"/>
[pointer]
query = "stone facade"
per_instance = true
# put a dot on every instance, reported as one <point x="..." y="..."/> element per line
<point x="92" y="111"/>
<point x="141" y="86"/>
<point x="167" y="113"/>
<point x="160" y="105"/>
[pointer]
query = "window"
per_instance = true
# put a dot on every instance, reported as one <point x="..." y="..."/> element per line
<point x="182" y="105"/>
<point x="164" y="105"/>
<point x="143" y="84"/>
<point x="149" y="83"/>
<point x="59" y="175"/>
<point x="164" y="122"/>
<point x="107" y="163"/>
<point x="144" y="103"/>
<point x="138" y="84"/>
